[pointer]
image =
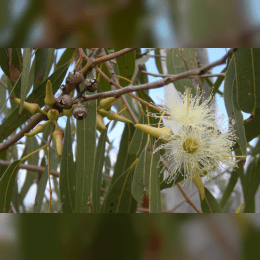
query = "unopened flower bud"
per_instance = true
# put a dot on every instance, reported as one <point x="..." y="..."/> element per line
<point x="58" y="136"/>
<point x="107" y="102"/>
<point x="100" y="124"/>
<point x="91" y="84"/>
<point x="80" y="112"/>
<point x="113" y="116"/>
<point x="75" y="77"/>
<point x="31" y="107"/>
<point x="38" y="129"/>
<point x="65" y="102"/>
<point x="49" y="98"/>
<point x="164" y="133"/>
<point x="53" y="114"/>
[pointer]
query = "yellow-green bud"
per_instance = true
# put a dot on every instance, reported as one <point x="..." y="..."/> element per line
<point x="164" y="133"/>
<point x="53" y="114"/>
<point x="113" y="116"/>
<point x="49" y="98"/>
<point x="58" y="136"/>
<point x="31" y="107"/>
<point x="68" y="112"/>
<point x="199" y="184"/>
<point x="38" y="129"/>
<point x="100" y="124"/>
<point x="107" y="102"/>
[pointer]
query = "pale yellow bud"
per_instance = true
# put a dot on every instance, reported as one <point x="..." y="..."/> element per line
<point x="107" y="102"/>
<point x="31" y="107"/>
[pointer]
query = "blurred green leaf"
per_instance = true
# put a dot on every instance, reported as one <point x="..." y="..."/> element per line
<point x="176" y="65"/>
<point x="234" y="113"/>
<point x="126" y="67"/>
<point x="256" y="149"/>
<point x="158" y="61"/>
<point x="41" y="57"/>
<point x="6" y="186"/>
<point x="27" y="55"/>
<point x="67" y="173"/>
<point x="190" y="57"/>
<point x="50" y="61"/>
<point x="154" y="182"/>
<point x="85" y="157"/>
<point x="97" y="177"/>
<point x="215" y="207"/>
<point x="42" y="187"/>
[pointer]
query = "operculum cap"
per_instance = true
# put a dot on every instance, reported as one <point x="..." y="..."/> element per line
<point x="38" y="129"/>
<point x="49" y="100"/>
<point x="100" y="124"/>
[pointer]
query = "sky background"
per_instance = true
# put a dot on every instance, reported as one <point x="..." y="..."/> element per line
<point x="115" y="134"/>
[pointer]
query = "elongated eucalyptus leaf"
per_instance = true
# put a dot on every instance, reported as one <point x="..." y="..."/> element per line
<point x="6" y="186"/>
<point x="37" y="96"/>
<point x="141" y="179"/>
<point x="189" y="56"/>
<point x="123" y="152"/>
<point x="175" y="65"/>
<point x="230" y="92"/>
<point x="139" y="139"/>
<point x="41" y="56"/>
<point x="85" y="162"/>
<point x="126" y="66"/>
<point x="97" y="177"/>
<point x="42" y="187"/>
<point x="158" y="61"/>
<point x="256" y="149"/>
<point x="229" y="189"/>
<point x="119" y="196"/>
<point x="49" y="62"/>
<point x="67" y="173"/>
<point x="252" y="185"/>
<point x="154" y="182"/>
<point x="27" y="55"/>
<point x="214" y="206"/>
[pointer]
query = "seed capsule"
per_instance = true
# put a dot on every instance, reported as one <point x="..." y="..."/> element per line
<point x="91" y="84"/>
<point x="80" y="112"/>
<point x="75" y="77"/>
<point x="65" y="102"/>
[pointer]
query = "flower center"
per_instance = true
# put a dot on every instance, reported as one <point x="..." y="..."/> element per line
<point x="190" y="145"/>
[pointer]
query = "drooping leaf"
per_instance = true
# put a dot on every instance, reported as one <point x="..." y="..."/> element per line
<point x="154" y="181"/>
<point x="176" y="65"/>
<point x="6" y="186"/>
<point x="42" y="187"/>
<point x="67" y="173"/>
<point x="215" y="207"/>
<point x="126" y="66"/>
<point x="27" y="55"/>
<point x="158" y="61"/>
<point x="97" y="177"/>
<point x="85" y="154"/>
<point x="234" y="113"/>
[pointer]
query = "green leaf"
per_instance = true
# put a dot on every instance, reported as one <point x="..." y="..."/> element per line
<point x="3" y="156"/>
<point x="97" y="177"/>
<point x="252" y="185"/>
<point x="27" y="55"/>
<point x="158" y="61"/>
<point x="215" y="207"/>
<point x="256" y="149"/>
<point x="126" y="66"/>
<point x="234" y="113"/>
<point x="49" y="62"/>
<point x="123" y="151"/>
<point x="190" y="57"/>
<point x="6" y="186"/>
<point x="154" y="184"/>
<point x="67" y="173"/>
<point x="85" y="162"/>
<point x="176" y="65"/>
<point x="142" y="61"/>
<point x="229" y="189"/>
<point x="42" y="187"/>
<point x="141" y="179"/>
<point x="41" y="56"/>
<point x="12" y="122"/>
<point x="119" y="196"/>
<point x="139" y="139"/>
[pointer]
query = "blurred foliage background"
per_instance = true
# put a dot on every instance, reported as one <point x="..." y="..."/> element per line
<point x="165" y="23"/>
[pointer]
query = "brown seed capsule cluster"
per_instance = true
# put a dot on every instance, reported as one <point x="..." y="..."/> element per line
<point x="80" y="112"/>
<point x="91" y="84"/>
<point x="64" y="102"/>
<point x="73" y="81"/>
